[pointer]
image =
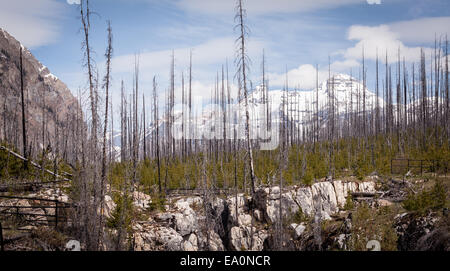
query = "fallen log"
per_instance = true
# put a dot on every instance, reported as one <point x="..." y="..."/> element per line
<point x="363" y="198"/>
<point x="37" y="165"/>
<point x="363" y="194"/>
<point x="399" y="182"/>
<point x="26" y="186"/>
<point x="19" y="187"/>
<point x="7" y="240"/>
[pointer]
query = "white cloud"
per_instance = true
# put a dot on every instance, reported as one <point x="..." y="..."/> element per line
<point x="202" y="90"/>
<point x="33" y="23"/>
<point x="258" y="7"/>
<point x="72" y="2"/>
<point x="395" y="36"/>
<point x="303" y="77"/>
<point x="207" y="60"/>
<point x="382" y="39"/>
<point x="212" y="52"/>
<point x="421" y="30"/>
<point x="344" y="66"/>
<point x="372" y="2"/>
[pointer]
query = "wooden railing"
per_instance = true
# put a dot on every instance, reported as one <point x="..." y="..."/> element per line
<point x="402" y="166"/>
<point x="1" y="238"/>
<point x="34" y="218"/>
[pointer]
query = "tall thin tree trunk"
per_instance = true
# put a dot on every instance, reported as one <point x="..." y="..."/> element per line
<point x="24" y="130"/>
<point x="242" y="68"/>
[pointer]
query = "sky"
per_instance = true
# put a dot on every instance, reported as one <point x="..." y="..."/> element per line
<point x="295" y="36"/>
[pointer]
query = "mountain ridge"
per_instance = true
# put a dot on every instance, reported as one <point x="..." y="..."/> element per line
<point x="45" y="96"/>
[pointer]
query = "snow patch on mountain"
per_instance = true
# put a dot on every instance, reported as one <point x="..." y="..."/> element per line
<point x="345" y="92"/>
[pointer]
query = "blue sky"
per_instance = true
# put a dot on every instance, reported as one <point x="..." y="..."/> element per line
<point x="296" y="35"/>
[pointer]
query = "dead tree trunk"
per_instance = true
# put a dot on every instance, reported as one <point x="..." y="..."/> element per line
<point x="24" y="131"/>
<point x="242" y="62"/>
<point x="156" y="124"/>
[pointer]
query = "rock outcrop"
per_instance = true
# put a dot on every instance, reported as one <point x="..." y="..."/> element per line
<point x="423" y="232"/>
<point x="236" y="223"/>
<point x="151" y="237"/>
<point x="183" y="225"/>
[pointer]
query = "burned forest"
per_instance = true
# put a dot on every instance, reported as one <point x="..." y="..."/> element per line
<point x="257" y="158"/>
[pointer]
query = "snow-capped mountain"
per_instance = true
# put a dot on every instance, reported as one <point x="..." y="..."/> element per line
<point x="300" y="106"/>
<point x="296" y="105"/>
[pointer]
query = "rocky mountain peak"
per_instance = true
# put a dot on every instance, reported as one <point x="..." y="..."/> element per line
<point x="46" y="97"/>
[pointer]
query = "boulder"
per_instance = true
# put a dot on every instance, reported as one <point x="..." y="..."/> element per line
<point x="109" y="206"/>
<point x="304" y="198"/>
<point x="241" y="238"/>
<point x="324" y="192"/>
<point x="191" y="243"/>
<point x="185" y="218"/>
<point x="258" y="215"/>
<point x="141" y="200"/>
<point x="411" y="228"/>
<point x="157" y="238"/>
<point x="238" y="203"/>
<point x="215" y="242"/>
<point x="288" y="204"/>
<point x="383" y="203"/>
<point x="342" y="240"/>
<point x="298" y="229"/>
<point x="193" y="201"/>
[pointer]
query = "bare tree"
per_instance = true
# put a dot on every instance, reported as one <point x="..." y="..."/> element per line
<point x="242" y="68"/>
<point x="156" y="125"/>
<point x="447" y="97"/>
<point x="423" y="82"/>
<point x="24" y="130"/>
<point x="106" y="85"/>
<point x="377" y="105"/>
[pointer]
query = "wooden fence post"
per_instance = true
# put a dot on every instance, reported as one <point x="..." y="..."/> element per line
<point x="56" y="215"/>
<point x="1" y="238"/>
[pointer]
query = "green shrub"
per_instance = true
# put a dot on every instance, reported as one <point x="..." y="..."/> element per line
<point x="349" y="202"/>
<point x="305" y="163"/>
<point x="308" y="178"/>
<point x="158" y="203"/>
<point x="427" y="200"/>
<point x="372" y="224"/>
<point x="11" y="166"/>
<point x="122" y="215"/>
<point x="299" y="217"/>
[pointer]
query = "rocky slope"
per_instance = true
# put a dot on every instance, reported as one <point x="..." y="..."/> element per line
<point x="313" y="218"/>
<point x="182" y="226"/>
<point x="41" y="87"/>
